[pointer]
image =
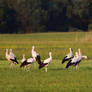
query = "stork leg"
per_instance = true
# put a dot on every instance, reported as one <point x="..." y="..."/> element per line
<point x="46" y="68"/>
<point x="28" y="67"/>
<point x="34" y="62"/>
<point x="77" y="68"/>
<point x="11" y="65"/>
<point x="71" y="67"/>
<point x="35" y="65"/>
<point x="25" y="67"/>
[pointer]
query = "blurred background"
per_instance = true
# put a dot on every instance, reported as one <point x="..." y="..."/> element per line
<point x="29" y="16"/>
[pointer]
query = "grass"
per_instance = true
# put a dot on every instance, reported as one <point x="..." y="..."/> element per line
<point x="58" y="43"/>
<point x="57" y="79"/>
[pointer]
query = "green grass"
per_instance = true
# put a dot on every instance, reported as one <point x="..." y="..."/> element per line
<point x="58" y="43"/>
<point x="57" y="79"/>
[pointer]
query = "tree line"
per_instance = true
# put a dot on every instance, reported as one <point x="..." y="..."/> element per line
<point x="27" y="16"/>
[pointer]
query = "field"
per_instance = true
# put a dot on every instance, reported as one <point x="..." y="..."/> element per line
<point x="57" y="79"/>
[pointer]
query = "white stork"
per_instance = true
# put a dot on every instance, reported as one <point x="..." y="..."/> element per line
<point x="35" y="56"/>
<point x="76" y="60"/>
<point x="34" y="53"/>
<point x="46" y="62"/>
<point x="11" y="57"/>
<point x="23" y="59"/>
<point x="26" y="62"/>
<point x="68" y="56"/>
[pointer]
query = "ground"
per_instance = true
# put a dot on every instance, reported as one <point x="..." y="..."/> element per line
<point x="57" y="79"/>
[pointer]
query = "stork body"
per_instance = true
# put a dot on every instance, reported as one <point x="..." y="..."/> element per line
<point x="26" y="62"/>
<point x="11" y="57"/>
<point x="34" y="53"/>
<point x="46" y="62"/>
<point x="68" y="56"/>
<point x="76" y="60"/>
<point x="36" y="57"/>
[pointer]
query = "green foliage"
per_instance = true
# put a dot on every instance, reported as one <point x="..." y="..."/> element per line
<point x="43" y="15"/>
<point x="90" y="27"/>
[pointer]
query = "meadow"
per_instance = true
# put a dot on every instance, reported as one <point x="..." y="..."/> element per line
<point x="57" y="79"/>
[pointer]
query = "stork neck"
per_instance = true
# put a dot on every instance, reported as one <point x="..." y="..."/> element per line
<point x="10" y="53"/>
<point x="79" y="52"/>
<point x="32" y="49"/>
<point x="24" y="57"/>
<point x="50" y="56"/>
<point x="6" y="53"/>
<point x="70" y="51"/>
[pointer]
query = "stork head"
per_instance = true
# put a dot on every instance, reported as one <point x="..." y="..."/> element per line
<point x="10" y="50"/>
<point x="76" y="53"/>
<point x="23" y="55"/>
<point x="23" y="59"/>
<point x="6" y="50"/>
<point x="79" y="50"/>
<point x="70" y="49"/>
<point x="33" y="47"/>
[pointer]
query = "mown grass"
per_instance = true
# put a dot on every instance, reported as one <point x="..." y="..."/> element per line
<point x="58" y="43"/>
<point x="57" y="79"/>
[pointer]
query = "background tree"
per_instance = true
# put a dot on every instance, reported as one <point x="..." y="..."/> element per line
<point x="8" y="22"/>
<point x="26" y="16"/>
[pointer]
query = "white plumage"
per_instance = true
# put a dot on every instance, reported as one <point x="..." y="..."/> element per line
<point x="34" y="53"/>
<point x="68" y="56"/>
<point x="30" y="60"/>
<point x="7" y="55"/>
<point x="26" y="62"/>
<point x="23" y="59"/>
<point x="84" y="57"/>
<point x="76" y="59"/>
<point x="48" y="61"/>
<point x="11" y="57"/>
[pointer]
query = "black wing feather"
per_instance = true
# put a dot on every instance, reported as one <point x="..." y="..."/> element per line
<point x="14" y="60"/>
<point x="25" y="63"/>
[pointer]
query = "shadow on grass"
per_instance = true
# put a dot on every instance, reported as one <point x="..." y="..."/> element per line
<point x="71" y="69"/>
<point x="86" y="68"/>
<point x="55" y="69"/>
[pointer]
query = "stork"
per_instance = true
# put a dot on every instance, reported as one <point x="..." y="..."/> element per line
<point x="35" y="56"/>
<point x="76" y="60"/>
<point x="68" y="56"/>
<point x="46" y="62"/>
<point x="26" y="62"/>
<point x="11" y="57"/>
<point x="73" y="61"/>
<point x="23" y="59"/>
<point x="34" y="53"/>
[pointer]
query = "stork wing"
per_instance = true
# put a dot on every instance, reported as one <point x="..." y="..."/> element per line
<point x="47" y="60"/>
